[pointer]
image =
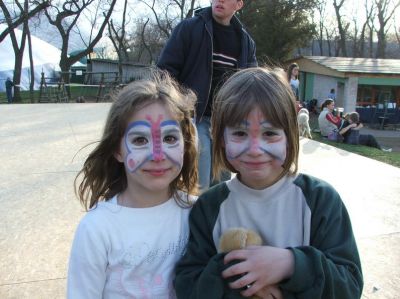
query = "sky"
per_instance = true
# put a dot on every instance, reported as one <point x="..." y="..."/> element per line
<point x="48" y="32"/>
<point x="350" y="8"/>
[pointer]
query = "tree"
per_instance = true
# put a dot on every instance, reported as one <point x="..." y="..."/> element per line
<point x="367" y="29"/>
<point x="147" y="41"/>
<point x="321" y="9"/>
<point x="278" y="27"/>
<point x="168" y="13"/>
<point x="117" y="36"/>
<point x="385" y="11"/>
<point x="397" y="32"/>
<point x="360" y="31"/>
<point x="18" y="48"/>
<point x="65" y="19"/>
<point x="14" y="18"/>
<point x="342" y="26"/>
<point x="35" y="7"/>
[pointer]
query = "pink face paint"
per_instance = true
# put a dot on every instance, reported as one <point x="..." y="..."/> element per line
<point x="255" y="136"/>
<point x="156" y="135"/>
<point x="131" y="163"/>
<point x="149" y="140"/>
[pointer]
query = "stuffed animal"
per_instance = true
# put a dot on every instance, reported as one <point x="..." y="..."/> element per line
<point x="238" y="238"/>
<point x="303" y="122"/>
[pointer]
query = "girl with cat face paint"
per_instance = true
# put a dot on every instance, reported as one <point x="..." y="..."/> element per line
<point x="308" y="250"/>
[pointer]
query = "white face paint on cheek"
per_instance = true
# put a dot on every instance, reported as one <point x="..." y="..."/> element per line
<point x="234" y="145"/>
<point x="174" y="151"/>
<point x="276" y="149"/>
<point x="136" y="155"/>
<point x="149" y="140"/>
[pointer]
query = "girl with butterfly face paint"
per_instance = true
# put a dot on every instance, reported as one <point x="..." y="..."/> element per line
<point x="139" y="184"/>
<point x="152" y="150"/>
<point x="308" y="250"/>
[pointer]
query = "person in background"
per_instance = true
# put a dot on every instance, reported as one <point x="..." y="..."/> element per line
<point x="309" y="249"/>
<point x="9" y="90"/>
<point x="201" y="53"/>
<point x="139" y="184"/>
<point x="293" y="78"/>
<point x="326" y="120"/>
<point x="332" y="94"/>
<point x="351" y="133"/>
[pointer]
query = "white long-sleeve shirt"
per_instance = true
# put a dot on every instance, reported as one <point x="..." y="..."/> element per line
<point x="121" y="252"/>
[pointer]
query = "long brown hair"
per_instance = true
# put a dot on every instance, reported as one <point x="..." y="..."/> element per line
<point x="326" y="103"/>
<point x="103" y="176"/>
<point x="267" y="89"/>
<point x="290" y="70"/>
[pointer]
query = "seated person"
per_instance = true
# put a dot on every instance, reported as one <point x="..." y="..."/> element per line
<point x="351" y="133"/>
<point x="326" y="120"/>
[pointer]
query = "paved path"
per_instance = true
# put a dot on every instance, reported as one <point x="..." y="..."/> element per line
<point x="39" y="158"/>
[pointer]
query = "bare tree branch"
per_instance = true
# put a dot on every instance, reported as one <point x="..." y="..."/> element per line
<point x="385" y="11"/>
<point x="23" y="17"/>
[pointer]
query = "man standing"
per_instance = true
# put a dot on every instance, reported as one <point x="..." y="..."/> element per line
<point x="201" y="52"/>
<point x="9" y="91"/>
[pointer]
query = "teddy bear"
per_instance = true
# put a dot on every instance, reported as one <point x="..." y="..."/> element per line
<point x="238" y="238"/>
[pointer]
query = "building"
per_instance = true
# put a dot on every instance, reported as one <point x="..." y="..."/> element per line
<point x="358" y="82"/>
<point x="106" y="71"/>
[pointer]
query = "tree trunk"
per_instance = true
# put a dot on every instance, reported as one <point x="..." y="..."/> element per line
<point x="342" y="31"/>
<point x="381" y="50"/>
<point x="32" y="67"/>
<point x="19" y="54"/>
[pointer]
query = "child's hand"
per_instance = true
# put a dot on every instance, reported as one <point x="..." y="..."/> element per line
<point x="260" y="266"/>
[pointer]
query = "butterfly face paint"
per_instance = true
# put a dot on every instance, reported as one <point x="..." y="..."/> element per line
<point x="255" y="136"/>
<point x="154" y="140"/>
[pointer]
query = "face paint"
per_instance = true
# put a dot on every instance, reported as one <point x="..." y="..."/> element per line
<point x="255" y="136"/>
<point x="155" y="140"/>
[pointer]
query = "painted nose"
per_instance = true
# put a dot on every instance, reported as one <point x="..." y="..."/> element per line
<point x="158" y="156"/>
<point x="255" y="147"/>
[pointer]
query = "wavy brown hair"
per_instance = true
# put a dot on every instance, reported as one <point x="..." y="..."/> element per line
<point x="290" y="70"/>
<point x="260" y="87"/>
<point x="102" y="176"/>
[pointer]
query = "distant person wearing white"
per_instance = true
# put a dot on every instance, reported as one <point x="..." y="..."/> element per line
<point x="328" y="122"/>
<point x="293" y="78"/>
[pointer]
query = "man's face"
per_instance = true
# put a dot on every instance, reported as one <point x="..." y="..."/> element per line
<point x="223" y="10"/>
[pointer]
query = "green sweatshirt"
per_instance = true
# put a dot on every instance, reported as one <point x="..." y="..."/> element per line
<point x="302" y="213"/>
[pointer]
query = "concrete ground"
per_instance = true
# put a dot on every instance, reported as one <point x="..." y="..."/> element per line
<point x="41" y="152"/>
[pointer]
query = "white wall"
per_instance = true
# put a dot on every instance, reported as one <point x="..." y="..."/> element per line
<point x="323" y="85"/>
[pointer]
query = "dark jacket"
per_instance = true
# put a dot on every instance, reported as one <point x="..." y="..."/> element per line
<point x="188" y="54"/>
<point x="329" y="267"/>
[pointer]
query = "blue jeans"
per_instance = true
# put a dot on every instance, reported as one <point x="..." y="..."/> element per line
<point x="205" y="155"/>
